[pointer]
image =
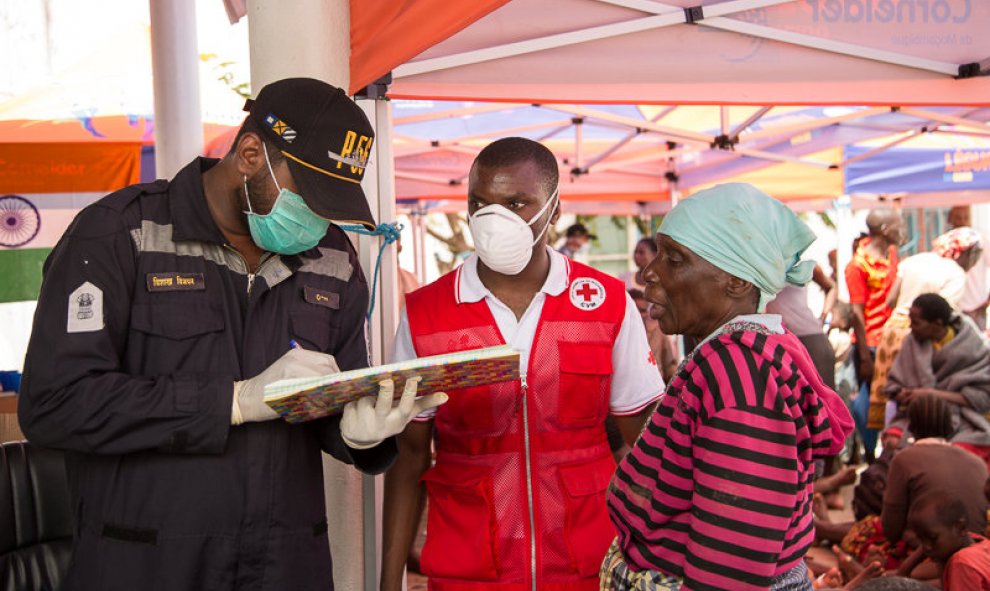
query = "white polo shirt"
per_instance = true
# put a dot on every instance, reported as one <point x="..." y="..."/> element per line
<point x="636" y="381"/>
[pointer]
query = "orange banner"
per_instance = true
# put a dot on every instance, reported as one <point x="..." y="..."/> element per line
<point x="68" y="168"/>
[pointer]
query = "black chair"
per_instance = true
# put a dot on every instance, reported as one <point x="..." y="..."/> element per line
<point x="35" y="518"/>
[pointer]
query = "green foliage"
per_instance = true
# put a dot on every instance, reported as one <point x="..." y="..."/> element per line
<point x="225" y="75"/>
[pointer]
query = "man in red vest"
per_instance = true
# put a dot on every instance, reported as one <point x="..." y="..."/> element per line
<point x="517" y="494"/>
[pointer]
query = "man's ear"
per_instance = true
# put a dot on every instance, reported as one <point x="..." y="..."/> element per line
<point x="249" y="154"/>
<point x="739" y="289"/>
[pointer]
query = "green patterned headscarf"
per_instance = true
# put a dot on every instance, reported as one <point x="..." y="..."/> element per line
<point x="746" y="233"/>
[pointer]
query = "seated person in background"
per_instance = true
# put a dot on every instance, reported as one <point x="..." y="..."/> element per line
<point x="942" y="271"/>
<point x="932" y="464"/>
<point x="644" y="252"/>
<point x="946" y="357"/>
<point x="661" y="344"/>
<point x="863" y="537"/>
<point x="939" y="520"/>
<point x="868" y="494"/>
<point x="575" y="238"/>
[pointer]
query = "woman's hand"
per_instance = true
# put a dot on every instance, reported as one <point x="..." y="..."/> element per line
<point x="905" y="397"/>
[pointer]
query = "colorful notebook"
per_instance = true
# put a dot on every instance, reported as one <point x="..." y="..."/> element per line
<point x="304" y="399"/>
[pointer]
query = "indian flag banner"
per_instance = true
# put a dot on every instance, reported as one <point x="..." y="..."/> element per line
<point x="42" y="188"/>
<point x="30" y="225"/>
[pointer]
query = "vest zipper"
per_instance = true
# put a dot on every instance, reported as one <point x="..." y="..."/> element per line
<point x="250" y="276"/>
<point x="529" y="483"/>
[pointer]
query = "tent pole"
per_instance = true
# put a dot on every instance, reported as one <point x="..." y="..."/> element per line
<point x="578" y="139"/>
<point x="379" y="188"/>
<point x="414" y="228"/>
<point x="423" y="251"/>
<point x="175" y="69"/>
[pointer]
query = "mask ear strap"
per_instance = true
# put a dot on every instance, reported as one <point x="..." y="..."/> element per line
<point x="555" y="200"/>
<point x="269" y="163"/>
<point x="246" y="196"/>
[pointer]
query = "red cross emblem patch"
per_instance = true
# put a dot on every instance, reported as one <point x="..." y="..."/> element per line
<point x="587" y="294"/>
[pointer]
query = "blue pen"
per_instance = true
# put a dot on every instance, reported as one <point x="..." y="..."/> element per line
<point x="293" y="344"/>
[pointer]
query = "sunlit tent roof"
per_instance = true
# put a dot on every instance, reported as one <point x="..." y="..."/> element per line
<point x="640" y="154"/>
<point x="629" y="158"/>
<point x="876" y="70"/>
<point x="758" y="52"/>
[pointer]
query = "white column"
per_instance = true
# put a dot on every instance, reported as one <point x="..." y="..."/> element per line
<point x="301" y="38"/>
<point x="311" y="38"/>
<point x="980" y="213"/>
<point x="175" y="67"/>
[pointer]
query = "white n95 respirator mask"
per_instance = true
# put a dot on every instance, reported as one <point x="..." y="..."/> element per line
<point x="503" y="240"/>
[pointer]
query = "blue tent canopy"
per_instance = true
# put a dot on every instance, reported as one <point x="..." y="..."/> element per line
<point x="913" y="170"/>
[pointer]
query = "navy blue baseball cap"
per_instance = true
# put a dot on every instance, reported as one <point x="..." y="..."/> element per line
<point x="326" y="140"/>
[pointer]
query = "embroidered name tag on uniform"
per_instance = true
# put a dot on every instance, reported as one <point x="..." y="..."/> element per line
<point x="175" y="282"/>
<point x="327" y="299"/>
<point x="85" y="309"/>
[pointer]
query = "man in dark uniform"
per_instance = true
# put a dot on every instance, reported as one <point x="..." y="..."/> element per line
<point x="165" y="310"/>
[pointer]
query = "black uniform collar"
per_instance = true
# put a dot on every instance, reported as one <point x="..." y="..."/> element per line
<point x="191" y="219"/>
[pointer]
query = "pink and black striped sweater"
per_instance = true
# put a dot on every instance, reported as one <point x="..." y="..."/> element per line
<point x="718" y="488"/>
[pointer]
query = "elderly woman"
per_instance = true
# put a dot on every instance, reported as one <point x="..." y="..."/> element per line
<point x="946" y="357"/>
<point x="717" y="492"/>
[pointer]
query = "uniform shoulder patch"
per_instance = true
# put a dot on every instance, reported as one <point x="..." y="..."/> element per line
<point x="587" y="293"/>
<point x="85" y="309"/>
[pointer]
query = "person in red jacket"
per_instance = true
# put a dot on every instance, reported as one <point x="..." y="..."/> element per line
<point x="517" y="493"/>
<point x="869" y="278"/>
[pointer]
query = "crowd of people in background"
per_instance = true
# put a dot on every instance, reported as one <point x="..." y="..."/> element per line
<point x="909" y="353"/>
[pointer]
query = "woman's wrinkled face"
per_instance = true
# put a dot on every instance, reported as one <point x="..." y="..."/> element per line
<point x="687" y="292"/>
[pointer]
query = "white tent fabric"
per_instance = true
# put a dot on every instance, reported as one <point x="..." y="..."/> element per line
<point x="865" y="52"/>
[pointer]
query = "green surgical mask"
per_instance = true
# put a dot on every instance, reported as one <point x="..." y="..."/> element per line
<point x="290" y="227"/>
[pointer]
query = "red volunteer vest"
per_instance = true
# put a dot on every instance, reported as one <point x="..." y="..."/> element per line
<point x="518" y="489"/>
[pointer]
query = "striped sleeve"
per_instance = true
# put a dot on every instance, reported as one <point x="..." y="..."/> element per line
<point x="746" y="477"/>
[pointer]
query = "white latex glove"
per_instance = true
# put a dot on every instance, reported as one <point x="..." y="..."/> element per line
<point x="369" y="421"/>
<point x="249" y="395"/>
